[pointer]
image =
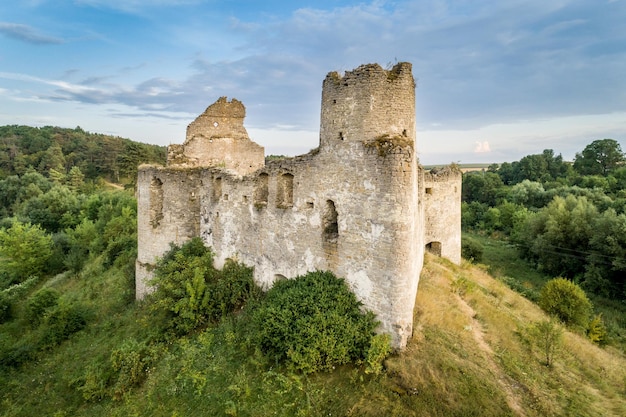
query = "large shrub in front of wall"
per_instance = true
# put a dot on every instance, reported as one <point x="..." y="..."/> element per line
<point x="192" y="293"/>
<point x="311" y="323"/>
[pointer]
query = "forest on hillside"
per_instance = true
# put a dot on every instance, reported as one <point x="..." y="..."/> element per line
<point x="58" y="153"/>
<point x="568" y="219"/>
<point x="57" y="205"/>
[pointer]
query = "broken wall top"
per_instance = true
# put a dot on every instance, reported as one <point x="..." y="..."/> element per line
<point x="222" y="119"/>
<point x="217" y="138"/>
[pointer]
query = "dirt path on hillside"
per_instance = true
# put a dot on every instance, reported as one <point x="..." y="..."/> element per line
<point x="113" y="185"/>
<point x="505" y="381"/>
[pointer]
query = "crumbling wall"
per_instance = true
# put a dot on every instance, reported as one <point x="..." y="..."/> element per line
<point x="217" y="138"/>
<point x="355" y="206"/>
<point x="442" y="218"/>
<point x="168" y="211"/>
<point x="367" y="103"/>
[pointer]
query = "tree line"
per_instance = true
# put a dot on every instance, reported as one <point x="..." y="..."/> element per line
<point x="55" y="152"/>
<point x="567" y="219"/>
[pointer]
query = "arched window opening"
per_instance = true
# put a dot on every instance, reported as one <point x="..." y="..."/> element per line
<point x="217" y="189"/>
<point x="330" y="223"/>
<point x="434" y="248"/>
<point x="261" y="191"/>
<point x="284" y="196"/>
<point x="156" y="202"/>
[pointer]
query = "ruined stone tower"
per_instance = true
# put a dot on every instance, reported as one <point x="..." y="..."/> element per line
<point x="360" y="205"/>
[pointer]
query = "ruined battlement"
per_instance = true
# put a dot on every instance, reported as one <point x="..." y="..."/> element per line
<point x="367" y="103"/>
<point x="217" y="138"/>
<point x="360" y="205"/>
<point x="222" y="119"/>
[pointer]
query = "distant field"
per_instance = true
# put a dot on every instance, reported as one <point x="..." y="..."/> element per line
<point x="464" y="167"/>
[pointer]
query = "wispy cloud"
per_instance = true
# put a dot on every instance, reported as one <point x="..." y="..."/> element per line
<point x="136" y="6"/>
<point x="27" y="34"/>
<point x="477" y="63"/>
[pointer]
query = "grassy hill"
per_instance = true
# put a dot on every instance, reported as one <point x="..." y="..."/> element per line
<point x="472" y="354"/>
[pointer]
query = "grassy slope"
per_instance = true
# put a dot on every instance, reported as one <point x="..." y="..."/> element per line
<point x="504" y="263"/>
<point x="466" y="358"/>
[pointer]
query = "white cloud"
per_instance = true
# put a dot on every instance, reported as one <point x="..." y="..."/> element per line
<point x="482" y="147"/>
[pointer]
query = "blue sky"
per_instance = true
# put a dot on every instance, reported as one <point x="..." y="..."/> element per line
<point x="497" y="80"/>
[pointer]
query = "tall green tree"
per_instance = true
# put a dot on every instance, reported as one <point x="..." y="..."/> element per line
<point x="482" y="187"/>
<point x="54" y="211"/>
<point x="599" y="157"/>
<point x="24" y="251"/>
<point x="557" y="237"/>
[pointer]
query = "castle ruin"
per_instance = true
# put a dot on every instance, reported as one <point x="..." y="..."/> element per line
<point x="359" y="205"/>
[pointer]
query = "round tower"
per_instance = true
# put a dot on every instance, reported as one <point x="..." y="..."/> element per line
<point x="366" y="104"/>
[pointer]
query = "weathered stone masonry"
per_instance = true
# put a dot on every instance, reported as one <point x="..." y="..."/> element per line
<point x="360" y="205"/>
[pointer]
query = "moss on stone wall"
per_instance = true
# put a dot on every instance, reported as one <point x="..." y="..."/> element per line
<point x="387" y="144"/>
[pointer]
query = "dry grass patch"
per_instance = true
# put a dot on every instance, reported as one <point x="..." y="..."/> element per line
<point x="585" y="380"/>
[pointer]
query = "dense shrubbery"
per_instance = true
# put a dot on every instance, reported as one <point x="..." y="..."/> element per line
<point x="192" y="292"/>
<point x="567" y="220"/>
<point x="55" y="151"/>
<point x="24" y="252"/>
<point x="40" y="303"/>
<point x="313" y="322"/>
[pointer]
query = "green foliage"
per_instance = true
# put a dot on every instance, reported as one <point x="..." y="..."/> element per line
<point x="312" y="323"/>
<point x="380" y="348"/>
<point x="482" y="187"/>
<point x="566" y="301"/>
<point x="473" y="215"/>
<point x="471" y="249"/>
<point x="24" y="252"/>
<point x="462" y="286"/>
<point x="63" y="321"/>
<point x="53" y="210"/>
<point x="6" y="304"/>
<point x="597" y="331"/>
<point x="557" y="237"/>
<point x="40" y="303"/>
<point x="547" y="336"/>
<point x="528" y="193"/>
<point x="192" y="292"/>
<point x="599" y="157"/>
<point x="54" y="151"/>
<point x="131" y="363"/>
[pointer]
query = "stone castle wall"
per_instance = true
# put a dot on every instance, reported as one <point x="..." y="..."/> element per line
<point x="355" y="206"/>
<point x="442" y="195"/>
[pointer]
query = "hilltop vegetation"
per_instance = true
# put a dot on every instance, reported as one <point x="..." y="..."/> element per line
<point x="73" y="341"/>
<point x="58" y="153"/>
<point x="473" y="352"/>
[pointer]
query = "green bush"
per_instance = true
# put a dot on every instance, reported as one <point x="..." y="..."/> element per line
<point x="131" y="361"/>
<point x="547" y="336"/>
<point x="24" y="250"/>
<point x="567" y="301"/>
<point x="313" y="322"/>
<point x="471" y="249"/>
<point x="597" y="331"/>
<point x="63" y="321"/>
<point x="5" y="307"/>
<point x="378" y="351"/>
<point x="39" y="303"/>
<point x="192" y="292"/>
